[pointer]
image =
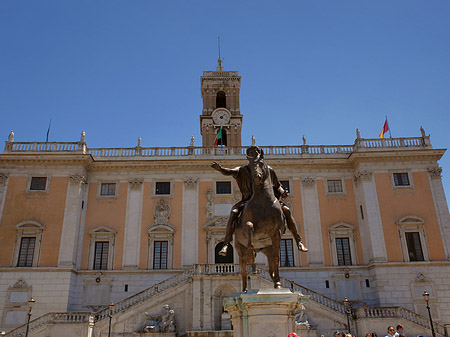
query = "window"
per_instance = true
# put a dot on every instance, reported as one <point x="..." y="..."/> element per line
<point x="28" y="244"/>
<point x="160" y="255"/>
<point x="343" y="252"/>
<point x="38" y="183"/>
<point x="221" y="100"/>
<point x="101" y="248"/>
<point x="401" y="179"/>
<point x="415" y="252"/>
<point x="223" y="187"/>
<point x="101" y="255"/>
<point x="162" y="188"/>
<point x="286" y="253"/>
<point x="26" y="252"/>
<point x="108" y="189"/>
<point x="335" y="186"/>
<point x="342" y="244"/>
<point x="160" y="246"/>
<point x="285" y="184"/>
<point x="413" y="239"/>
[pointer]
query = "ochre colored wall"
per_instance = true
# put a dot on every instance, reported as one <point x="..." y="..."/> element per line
<point x="109" y="212"/>
<point x="48" y="211"/>
<point x="400" y="202"/>
<point x="335" y="208"/>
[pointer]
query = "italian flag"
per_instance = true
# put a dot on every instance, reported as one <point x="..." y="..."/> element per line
<point x="385" y="129"/>
<point x="218" y="139"/>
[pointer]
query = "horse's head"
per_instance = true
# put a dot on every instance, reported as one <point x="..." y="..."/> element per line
<point x="257" y="164"/>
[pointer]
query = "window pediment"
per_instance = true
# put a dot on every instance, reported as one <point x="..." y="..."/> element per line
<point x="102" y="230"/>
<point x="410" y="220"/>
<point x="341" y="226"/>
<point x="159" y="229"/>
<point x="30" y="225"/>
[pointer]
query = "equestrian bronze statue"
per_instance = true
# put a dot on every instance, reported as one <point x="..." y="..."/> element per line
<point x="258" y="220"/>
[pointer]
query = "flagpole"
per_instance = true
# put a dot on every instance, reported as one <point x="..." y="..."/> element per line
<point x="221" y="136"/>
<point x="389" y="129"/>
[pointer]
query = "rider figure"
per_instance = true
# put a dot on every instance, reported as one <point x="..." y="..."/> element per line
<point x="243" y="178"/>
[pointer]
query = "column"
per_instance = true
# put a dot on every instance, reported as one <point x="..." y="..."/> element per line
<point x="311" y="222"/>
<point x="133" y="220"/>
<point x="71" y="222"/>
<point x="440" y="204"/>
<point x="189" y="236"/>
<point x="371" y="227"/>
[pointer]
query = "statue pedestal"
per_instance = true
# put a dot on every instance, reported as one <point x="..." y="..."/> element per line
<point x="264" y="312"/>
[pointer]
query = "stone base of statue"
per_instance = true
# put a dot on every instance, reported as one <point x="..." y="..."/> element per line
<point x="264" y="312"/>
<point x="155" y="334"/>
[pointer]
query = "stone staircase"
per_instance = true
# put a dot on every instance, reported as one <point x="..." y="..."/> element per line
<point x="319" y="304"/>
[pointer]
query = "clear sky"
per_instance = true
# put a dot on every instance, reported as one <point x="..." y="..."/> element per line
<point x="124" y="69"/>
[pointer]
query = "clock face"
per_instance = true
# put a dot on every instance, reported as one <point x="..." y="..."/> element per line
<point x="221" y="117"/>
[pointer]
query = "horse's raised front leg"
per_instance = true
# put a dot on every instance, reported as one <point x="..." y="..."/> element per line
<point x="250" y="233"/>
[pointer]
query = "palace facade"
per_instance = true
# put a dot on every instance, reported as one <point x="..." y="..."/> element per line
<point x="141" y="227"/>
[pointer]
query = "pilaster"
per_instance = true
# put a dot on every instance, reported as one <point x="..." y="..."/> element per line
<point x="311" y="221"/>
<point x="3" y="188"/>
<point x="190" y="228"/>
<point x="132" y="235"/>
<point x="371" y="227"/>
<point x="71" y="223"/>
<point x="440" y="204"/>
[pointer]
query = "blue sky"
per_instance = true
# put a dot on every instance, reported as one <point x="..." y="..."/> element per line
<point x="124" y="69"/>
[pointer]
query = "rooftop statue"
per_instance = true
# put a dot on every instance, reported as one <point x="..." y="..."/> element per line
<point x="259" y="219"/>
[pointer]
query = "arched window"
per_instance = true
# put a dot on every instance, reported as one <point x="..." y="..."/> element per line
<point x="221" y="100"/>
<point x="223" y="259"/>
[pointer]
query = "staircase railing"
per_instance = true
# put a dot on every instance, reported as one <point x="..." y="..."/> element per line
<point x="316" y="297"/>
<point x="399" y="312"/>
<point x="145" y="294"/>
<point x="83" y="317"/>
<point x="51" y="317"/>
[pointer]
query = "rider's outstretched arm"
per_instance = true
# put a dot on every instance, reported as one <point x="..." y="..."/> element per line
<point x="225" y="171"/>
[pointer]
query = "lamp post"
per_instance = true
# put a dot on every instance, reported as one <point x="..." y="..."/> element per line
<point x="347" y="313"/>
<point x="426" y="296"/>
<point x="30" y="307"/>
<point x="111" y="307"/>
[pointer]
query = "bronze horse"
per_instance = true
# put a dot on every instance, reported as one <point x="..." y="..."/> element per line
<point x="261" y="221"/>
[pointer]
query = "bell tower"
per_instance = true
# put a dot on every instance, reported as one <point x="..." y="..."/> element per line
<point x="220" y="94"/>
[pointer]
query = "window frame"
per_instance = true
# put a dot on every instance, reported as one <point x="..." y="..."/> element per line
<point x="342" y="230"/>
<point x="410" y="224"/>
<point x="170" y="181"/>
<point x="28" y="229"/>
<point x="30" y="177"/>
<point x="106" y="196"/>
<point x="400" y="187"/>
<point x="291" y="185"/>
<point x="287" y="255"/>
<point x="335" y="192"/>
<point x="101" y="234"/>
<point x="161" y="261"/>
<point x="222" y="182"/>
<point x="160" y="232"/>
<point x="344" y="257"/>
